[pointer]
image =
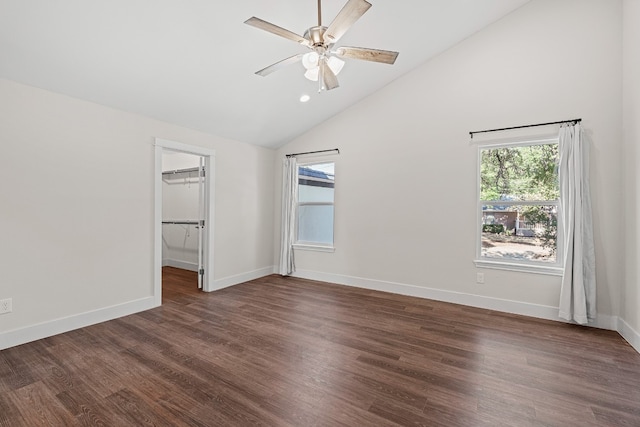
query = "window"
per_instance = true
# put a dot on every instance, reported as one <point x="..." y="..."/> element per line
<point x="518" y="207"/>
<point x="315" y="204"/>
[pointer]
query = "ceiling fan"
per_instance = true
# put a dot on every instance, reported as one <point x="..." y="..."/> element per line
<point x="323" y="63"/>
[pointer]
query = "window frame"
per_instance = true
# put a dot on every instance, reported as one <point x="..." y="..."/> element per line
<point x="315" y="246"/>
<point x="556" y="268"/>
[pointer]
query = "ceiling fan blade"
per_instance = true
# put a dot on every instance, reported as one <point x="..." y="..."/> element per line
<point x="329" y="79"/>
<point x="278" y="31"/>
<point x="279" y="65"/>
<point x="350" y="13"/>
<point x="375" y="55"/>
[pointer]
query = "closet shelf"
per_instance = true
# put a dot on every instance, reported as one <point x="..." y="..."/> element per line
<point x="183" y="171"/>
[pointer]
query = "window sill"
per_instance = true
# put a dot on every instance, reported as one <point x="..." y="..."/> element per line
<point x="311" y="247"/>
<point x="524" y="268"/>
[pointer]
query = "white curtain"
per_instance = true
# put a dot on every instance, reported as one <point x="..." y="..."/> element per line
<point x="578" y="291"/>
<point x="289" y="203"/>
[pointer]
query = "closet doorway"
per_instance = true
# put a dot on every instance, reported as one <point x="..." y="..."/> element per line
<point x="183" y="214"/>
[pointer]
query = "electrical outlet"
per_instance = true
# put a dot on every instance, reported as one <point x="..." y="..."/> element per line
<point x="479" y="277"/>
<point x="6" y="306"/>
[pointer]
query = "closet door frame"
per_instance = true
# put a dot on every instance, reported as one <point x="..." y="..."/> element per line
<point x="161" y="146"/>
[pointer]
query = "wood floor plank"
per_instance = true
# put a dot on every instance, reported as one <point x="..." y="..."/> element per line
<point x="293" y="352"/>
<point x="337" y="411"/>
<point x="14" y="370"/>
<point x="9" y="414"/>
<point x="38" y="406"/>
<point x="136" y="411"/>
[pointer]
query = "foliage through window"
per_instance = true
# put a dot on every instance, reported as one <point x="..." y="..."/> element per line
<point x="518" y="206"/>
<point x="315" y="204"/>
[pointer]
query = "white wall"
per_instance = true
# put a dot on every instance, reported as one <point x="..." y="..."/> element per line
<point x="180" y="201"/>
<point x="406" y="157"/>
<point x="631" y="126"/>
<point x="76" y="216"/>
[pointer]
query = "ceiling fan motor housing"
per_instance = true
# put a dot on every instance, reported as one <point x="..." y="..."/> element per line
<point x="316" y="36"/>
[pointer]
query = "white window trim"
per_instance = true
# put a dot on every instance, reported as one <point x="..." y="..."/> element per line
<point x="521" y="266"/>
<point x="555" y="269"/>
<point x="313" y="247"/>
<point x="316" y="246"/>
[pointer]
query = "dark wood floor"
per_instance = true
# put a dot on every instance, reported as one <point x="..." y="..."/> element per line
<point x="282" y="351"/>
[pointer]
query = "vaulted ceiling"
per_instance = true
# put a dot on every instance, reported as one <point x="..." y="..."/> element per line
<point x="192" y="62"/>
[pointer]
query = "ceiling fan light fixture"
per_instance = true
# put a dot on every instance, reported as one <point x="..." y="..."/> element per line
<point x="312" y="64"/>
<point x="312" y="74"/>
<point x="310" y="60"/>
<point x="335" y="64"/>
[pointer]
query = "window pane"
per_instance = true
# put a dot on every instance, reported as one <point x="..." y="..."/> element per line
<point x="312" y="193"/>
<point x="316" y="183"/>
<point x="315" y="223"/>
<point x="520" y="232"/>
<point x="525" y="173"/>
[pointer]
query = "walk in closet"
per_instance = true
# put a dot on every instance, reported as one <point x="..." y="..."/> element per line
<point x="183" y="212"/>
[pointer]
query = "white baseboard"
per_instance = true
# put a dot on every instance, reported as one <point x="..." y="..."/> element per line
<point x="185" y="265"/>
<point x="479" y="301"/>
<point x="628" y="333"/>
<point x="66" y="324"/>
<point x="606" y="321"/>
<point x="225" y="282"/>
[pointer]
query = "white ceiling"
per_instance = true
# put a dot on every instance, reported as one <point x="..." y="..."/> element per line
<point x="192" y="62"/>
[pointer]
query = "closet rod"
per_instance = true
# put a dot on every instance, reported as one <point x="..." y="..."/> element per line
<point x="574" y="121"/>
<point x="177" y="171"/>
<point x="312" y="152"/>
<point x="184" y="222"/>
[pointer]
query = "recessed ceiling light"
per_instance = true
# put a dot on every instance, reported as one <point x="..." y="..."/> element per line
<point x="305" y="98"/>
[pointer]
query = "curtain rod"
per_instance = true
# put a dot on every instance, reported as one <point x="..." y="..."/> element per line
<point x="574" y="121"/>
<point x="312" y="152"/>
